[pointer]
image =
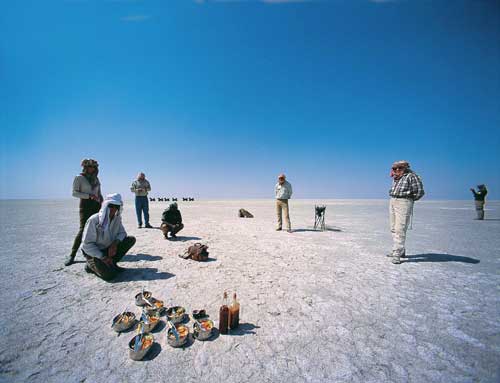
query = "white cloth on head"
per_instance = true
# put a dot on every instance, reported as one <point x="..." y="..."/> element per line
<point x="100" y="232"/>
<point x="111" y="199"/>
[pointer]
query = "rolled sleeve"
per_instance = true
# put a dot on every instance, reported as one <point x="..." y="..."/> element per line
<point x="76" y="190"/>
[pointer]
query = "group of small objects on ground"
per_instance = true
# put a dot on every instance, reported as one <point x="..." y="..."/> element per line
<point x="178" y="332"/>
<point x="165" y="199"/>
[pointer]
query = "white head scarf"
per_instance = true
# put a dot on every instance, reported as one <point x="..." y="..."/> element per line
<point x="111" y="199"/>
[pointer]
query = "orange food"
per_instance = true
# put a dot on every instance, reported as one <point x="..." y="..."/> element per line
<point x="153" y="319"/>
<point x="158" y="304"/>
<point x="182" y="330"/>
<point x="206" y="325"/>
<point x="146" y="342"/>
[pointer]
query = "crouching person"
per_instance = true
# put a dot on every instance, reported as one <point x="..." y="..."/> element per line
<point x="171" y="221"/>
<point x="105" y="240"/>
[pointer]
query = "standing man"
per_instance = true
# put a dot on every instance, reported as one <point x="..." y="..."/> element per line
<point x="283" y="191"/>
<point x="479" y="197"/>
<point x="406" y="189"/>
<point x="87" y="188"/>
<point x="141" y="187"/>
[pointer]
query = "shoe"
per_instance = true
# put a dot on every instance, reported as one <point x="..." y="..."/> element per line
<point x="119" y="269"/>
<point x="278" y="229"/>
<point x="70" y="259"/>
<point x="173" y="236"/>
<point x="88" y="269"/>
<point x="140" y="226"/>
<point x="392" y="255"/>
<point x="396" y="261"/>
<point x="289" y="230"/>
<point x="148" y="226"/>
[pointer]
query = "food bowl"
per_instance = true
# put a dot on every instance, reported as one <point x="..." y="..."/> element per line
<point x="139" y="298"/>
<point x="176" y="314"/>
<point x="158" y="306"/>
<point x="123" y="321"/>
<point x="203" y="329"/>
<point x="150" y="321"/>
<point x="147" y="343"/>
<point x="183" y="332"/>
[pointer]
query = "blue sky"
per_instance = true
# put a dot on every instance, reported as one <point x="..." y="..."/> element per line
<point x="215" y="98"/>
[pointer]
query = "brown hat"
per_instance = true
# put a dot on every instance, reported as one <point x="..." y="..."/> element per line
<point x="89" y="162"/>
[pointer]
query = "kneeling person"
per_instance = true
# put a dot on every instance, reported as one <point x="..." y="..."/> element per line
<point x="171" y="221"/>
<point x="105" y="240"/>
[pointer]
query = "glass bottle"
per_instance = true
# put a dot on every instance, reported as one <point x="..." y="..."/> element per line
<point x="234" y="313"/>
<point x="224" y="316"/>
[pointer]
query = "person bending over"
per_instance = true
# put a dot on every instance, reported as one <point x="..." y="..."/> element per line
<point x="105" y="240"/>
<point x="171" y="221"/>
<point x="479" y="197"/>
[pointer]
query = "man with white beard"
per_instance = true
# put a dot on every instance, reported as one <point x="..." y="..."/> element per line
<point x="406" y="188"/>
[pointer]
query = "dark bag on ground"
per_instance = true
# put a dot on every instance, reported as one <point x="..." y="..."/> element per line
<point x="196" y="252"/>
<point x="244" y="214"/>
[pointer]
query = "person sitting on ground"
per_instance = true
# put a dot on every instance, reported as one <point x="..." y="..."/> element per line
<point x="105" y="240"/>
<point x="479" y="197"/>
<point x="171" y="221"/>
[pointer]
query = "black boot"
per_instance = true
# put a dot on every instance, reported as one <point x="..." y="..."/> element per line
<point x="70" y="259"/>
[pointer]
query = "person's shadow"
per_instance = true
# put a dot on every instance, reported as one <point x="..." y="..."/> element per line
<point x="432" y="257"/>
<point x="141" y="274"/>
<point x="140" y="257"/>
<point x="181" y="238"/>
<point x="244" y="329"/>
<point x="318" y="230"/>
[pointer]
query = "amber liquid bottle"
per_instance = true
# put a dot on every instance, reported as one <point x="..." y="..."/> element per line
<point x="234" y="313"/>
<point x="224" y="316"/>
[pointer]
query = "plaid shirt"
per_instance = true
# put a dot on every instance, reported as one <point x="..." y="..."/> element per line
<point x="408" y="186"/>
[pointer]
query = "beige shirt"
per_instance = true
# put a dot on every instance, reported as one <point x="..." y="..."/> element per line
<point x="83" y="189"/>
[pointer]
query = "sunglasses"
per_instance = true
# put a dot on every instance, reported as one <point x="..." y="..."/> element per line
<point x="114" y="206"/>
<point x="398" y="168"/>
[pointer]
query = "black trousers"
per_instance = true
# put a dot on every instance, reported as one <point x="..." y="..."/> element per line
<point x="103" y="270"/>
<point x="88" y="208"/>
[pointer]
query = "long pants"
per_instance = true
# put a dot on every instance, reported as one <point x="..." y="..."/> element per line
<point x="170" y="228"/>
<point x="142" y="206"/>
<point x="400" y="212"/>
<point x="479" y="209"/>
<point x="103" y="270"/>
<point x="88" y="207"/>
<point x="282" y="207"/>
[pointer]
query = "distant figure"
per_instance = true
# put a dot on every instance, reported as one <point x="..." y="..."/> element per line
<point x="244" y="214"/>
<point x="406" y="188"/>
<point x="167" y="199"/>
<point x="479" y="197"/>
<point x="171" y="221"/>
<point x="184" y="199"/>
<point x="87" y="188"/>
<point x="160" y="199"/>
<point x="283" y="191"/>
<point x="191" y="199"/>
<point x="105" y="240"/>
<point x="174" y="199"/>
<point x="141" y="187"/>
<point x="152" y="199"/>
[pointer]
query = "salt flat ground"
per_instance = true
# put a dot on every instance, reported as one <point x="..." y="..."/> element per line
<point x="316" y="306"/>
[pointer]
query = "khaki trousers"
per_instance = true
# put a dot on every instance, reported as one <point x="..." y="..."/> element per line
<point x="479" y="209"/>
<point x="282" y="206"/>
<point x="400" y="211"/>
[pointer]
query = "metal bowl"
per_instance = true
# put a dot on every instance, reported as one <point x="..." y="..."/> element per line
<point x="151" y="322"/>
<point x="176" y="314"/>
<point x="123" y="321"/>
<point x="138" y="355"/>
<point x="201" y="333"/>
<point x="182" y="339"/>
<point x="139" y="298"/>
<point x="158" y="306"/>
